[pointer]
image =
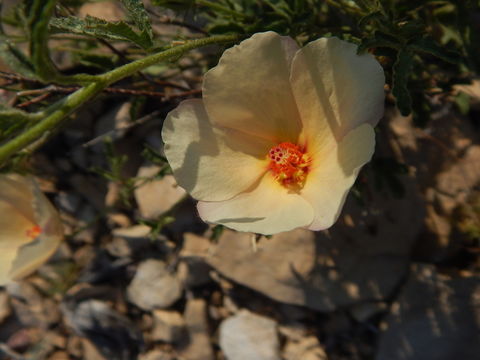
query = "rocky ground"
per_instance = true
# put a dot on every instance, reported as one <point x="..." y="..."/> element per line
<point x="396" y="278"/>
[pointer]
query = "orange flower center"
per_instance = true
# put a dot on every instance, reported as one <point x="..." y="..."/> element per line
<point x="289" y="165"/>
<point x="33" y="232"/>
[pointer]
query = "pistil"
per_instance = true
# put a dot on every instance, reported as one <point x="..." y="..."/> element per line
<point x="289" y="164"/>
<point x="34" y="231"/>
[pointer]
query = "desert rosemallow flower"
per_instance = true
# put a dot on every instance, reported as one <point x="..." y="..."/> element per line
<point x="30" y="228"/>
<point x="280" y="134"/>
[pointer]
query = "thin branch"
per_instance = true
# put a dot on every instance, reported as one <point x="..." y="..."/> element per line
<point x="57" y="113"/>
<point x="51" y="89"/>
<point x="12" y="78"/>
<point x="113" y="132"/>
<point x="170" y="84"/>
<point x="35" y="100"/>
<point x="16" y="77"/>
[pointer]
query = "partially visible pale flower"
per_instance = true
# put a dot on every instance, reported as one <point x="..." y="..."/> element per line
<point x="280" y="134"/>
<point x="30" y="229"/>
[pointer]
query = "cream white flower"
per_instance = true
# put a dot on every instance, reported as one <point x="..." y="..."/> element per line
<point x="280" y="134"/>
<point x="30" y="229"/>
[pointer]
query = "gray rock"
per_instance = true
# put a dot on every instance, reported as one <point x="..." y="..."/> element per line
<point x="463" y="175"/>
<point x="68" y="201"/>
<point x="168" y="326"/>
<point x="307" y="348"/>
<point x="249" y="336"/>
<point x="193" y="269"/>
<point x="128" y="241"/>
<point x="153" y="286"/>
<point x="114" y="123"/>
<point x="195" y="246"/>
<point x="108" y="334"/>
<point x="86" y="216"/>
<point x="363" y="311"/>
<point x="157" y="355"/>
<point x="313" y="270"/>
<point x="155" y="197"/>
<point x="194" y="272"/>
<point x="89" y="189"/>
<point x="5" y="309"/>
<point x="293" y="331"/>
<point x="361" y="258"/>
<point x="198" y="344"/>
<point x="435" y="318"/>
<point x="31" y="308"/>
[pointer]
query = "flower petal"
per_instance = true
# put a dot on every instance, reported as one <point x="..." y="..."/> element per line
<point x="16" y="190"/>
<point x="267" y="209"/>
<point x="327" y="185"/>
<point x="332" y="83"/>
<point x="13" y="233"/>
<point x="32" y="255"/>
<point x="249" y="90"/>
<point x="13" y="227"/>
<point x="209" y="162"/>
<point x="21" y="252"/>
<point x="8" y="256"/>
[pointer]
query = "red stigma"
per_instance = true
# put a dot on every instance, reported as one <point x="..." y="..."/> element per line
<point x="289" y="164"/>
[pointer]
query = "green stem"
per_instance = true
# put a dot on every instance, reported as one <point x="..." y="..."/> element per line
<point x="174" y="52"/>
<point x="220" y="8"/>
<point x="354" y="10"/>
<point x="57" y="113"/>
<point x="64" y="108"/>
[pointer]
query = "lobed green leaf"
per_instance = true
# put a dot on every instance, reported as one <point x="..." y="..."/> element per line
<point x="140" y="17"/>
<point x="15" y="59"/>
<point x="177" y="5"/>
<point x="429" y="46"/>
<point x="373" y="17"/>
<point x="98" y="28"/>
<point x="378" y="40"/>
<point x="401" y="72"/>
<point x="11" y="120"/>
<point x="39" y="14"/>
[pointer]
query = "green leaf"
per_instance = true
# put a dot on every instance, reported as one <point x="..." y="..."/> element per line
<point x="98" y="61"/>
<point x="39" y="13"/>
<point x="410" y="28"/>
<point x="15" y="59"/>
<point x="140" y="17"/>
<point x="177" y="5"/>
<point x="225" y="28"/>
<point x="217" y="231"/>
<point x="462" y="101"/>
<point x="280" y="8"/>
<point x="11" y="120"/>
<point x="429" y="46"/>
<point x="375" y="17"/>
<point x="401" y="72"/>
<point x="4" y="109"/>
<point x="378" y="40"/>
<point x="98" y="28"/>
<point x="369" y="5"/>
